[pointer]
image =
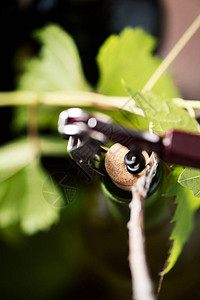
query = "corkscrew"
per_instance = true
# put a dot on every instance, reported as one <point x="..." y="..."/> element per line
<point x="87" y="134"/>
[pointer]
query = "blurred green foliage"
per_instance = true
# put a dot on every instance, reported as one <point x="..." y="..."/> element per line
<point x="130" y="56"/>
<point x="187" y="205"/>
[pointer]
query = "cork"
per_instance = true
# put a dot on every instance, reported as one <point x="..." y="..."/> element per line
<point x="116" y="167"/>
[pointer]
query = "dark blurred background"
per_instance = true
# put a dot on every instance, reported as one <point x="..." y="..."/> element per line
<point x="89" y="22"/>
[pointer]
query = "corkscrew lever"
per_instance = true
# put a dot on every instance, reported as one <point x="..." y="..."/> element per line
<point x="175" y="147"/>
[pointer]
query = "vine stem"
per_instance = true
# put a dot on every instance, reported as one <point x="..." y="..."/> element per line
<point x="172" y="54"/>
<point x="186" y="104"/>
<point x="33" y="129"/>
<point x="67" y="98"/>
<point x="81" y="98"/>
<point x="63" y="98"/>
<point x="141" y="281"/>
<point x="195" y="104"/>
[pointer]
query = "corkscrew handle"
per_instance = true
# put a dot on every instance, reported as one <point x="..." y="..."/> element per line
<point x="181" y="148"/>
<point x="176" y="147"/>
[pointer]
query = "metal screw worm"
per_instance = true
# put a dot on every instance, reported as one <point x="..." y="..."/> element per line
<point x="135" y="162"/>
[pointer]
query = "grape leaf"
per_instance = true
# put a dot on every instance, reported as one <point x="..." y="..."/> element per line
<point x="163" y="113"/>
<point x="21" y="184"/>
<point x="53" y="146"/>
<point x="14" y="157"/>
<point x="47" y="118"/>
<point x="18" y="154"/>
<point x="58" y="67"/>
<point x="129" y="56"/>
<point x="22" y="200"/>
<point x="126" y="118"/>
<point x="183" y="218"/>
<point x="190" y="178"/>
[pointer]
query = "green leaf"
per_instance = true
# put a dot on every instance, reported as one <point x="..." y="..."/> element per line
<point x="129" y="56"/>
<point x="53" y="146"/>
<point x="22" y="184"/>
<point x="18" y="154"/>
<point x="163" y="113"/>
<point x="126" y="118"/>
<point x="190" y="178"/>
<point x="183" y="218"/>
<point x="14" y="157"/>
<point x="58" y="67"/>
<point x="22" y="201"/>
